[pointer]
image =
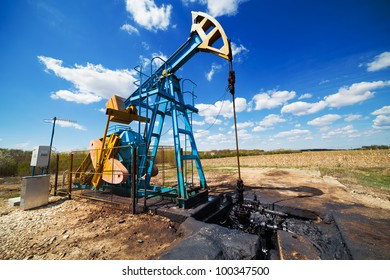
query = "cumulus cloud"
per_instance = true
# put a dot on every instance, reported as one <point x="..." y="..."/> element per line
<point x="148" y="15"/>
<point x="272" y="99"/>
<point x="305" y="96"/>
<point x="385" y="110"/>
<point x="198" y="123"/>
<point x="324" y="120"/>
<point x="78" y="97"/>
<point x="217" y="7"/>
<point x="201" y="133"/>
<point x="347" y="131"/>
<point x="293" y="134"/>
<point x="220" y="8"/>
<point x="380" y="62"/>
<point x="243" y="134"/>
<point x="214" y="68"/>
<point x="301" y="108"/>
<point x="381" y="122"/>
<point x="353" y="117"/>
<point x="259" y="128"/>
<point x="271" y="120"/>
<point x="346" y="96"/>
<point x="92" y="83"/>
<point x="355" y="93"/>
<point x="129" y="29"/>
<point x="218" y="139"/>
<point x="244" y="125"/>
<point x="223" y="108"/>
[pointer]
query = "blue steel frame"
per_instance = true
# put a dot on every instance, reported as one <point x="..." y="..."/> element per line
<point x="169" y="100"/>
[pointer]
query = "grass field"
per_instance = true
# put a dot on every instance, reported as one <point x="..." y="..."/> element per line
<point x="370" y="168"/>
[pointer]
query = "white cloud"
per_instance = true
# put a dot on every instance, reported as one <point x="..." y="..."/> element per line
<point x="129" y="29"/>
<point x="223" y="108"/>
<point x="243" y="134"/>
<point x="324" y="120"/>
<point x="271" y="119"/>
<point x="353" y="117"/>
<point x="78" y="97"/>
<point x="63" y="123"/>
<point x="293" y="134"/>
<point x="272" y="99"/>
<point x="301" y="108"/>
<point x="201" y="133"/>
<point x="324" y="82"/>
<point x="305" y="96"/>
<point x="198" y="123"/>
<point x="259" y="128"/>
<point x="92" y="82"/>
<point x="324" y="129"/>
<point x="380" y="62"/>
<point x="238" y="51"/>
<point x="356" y="93"/>
<point x="187" y="2"/>
<point x="381" y="122"/>
<point x="346" y="96"/>
<point x="148" y="15"/>
<point x="214" y="68"/>
<point x="145" y="46"/>
<point x="347" y="131"/>
<point x="385" y="110"/>
<point x="218" y="139"/>
<point x="217" y="7"/>
<point x="244" y="125"/>
<point x="220" y="8"/>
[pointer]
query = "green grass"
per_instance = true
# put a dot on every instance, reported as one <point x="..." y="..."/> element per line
<point x="376" y="177"/>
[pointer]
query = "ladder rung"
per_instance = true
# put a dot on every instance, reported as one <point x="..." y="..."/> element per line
<point x="189" y="157"/>
<point x="155" y="135"/>
<point x="184" y="131"/>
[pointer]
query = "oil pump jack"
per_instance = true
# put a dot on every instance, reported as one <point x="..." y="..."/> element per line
<point x="125" y="160"/>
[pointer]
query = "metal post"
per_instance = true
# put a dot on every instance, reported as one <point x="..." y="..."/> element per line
<point x="134" y="179"/>
<point x="51" y="143"/>
<point x="56" y="177"/>
<point x="70" y="176"/>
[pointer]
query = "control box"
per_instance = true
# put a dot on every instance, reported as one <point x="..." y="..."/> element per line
<point x="40" y="156"/>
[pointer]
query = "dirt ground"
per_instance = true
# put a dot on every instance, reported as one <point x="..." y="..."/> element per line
<point x="85" y="229"/>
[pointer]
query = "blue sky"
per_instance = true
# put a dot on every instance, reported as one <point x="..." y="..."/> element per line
<point x="309" y="74"/>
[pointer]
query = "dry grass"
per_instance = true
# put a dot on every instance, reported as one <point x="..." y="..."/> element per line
<point x="312" y="160"/>
<point x="370" y="168"/>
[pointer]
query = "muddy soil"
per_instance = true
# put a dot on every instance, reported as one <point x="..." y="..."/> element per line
<point x="85" y="229"/>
